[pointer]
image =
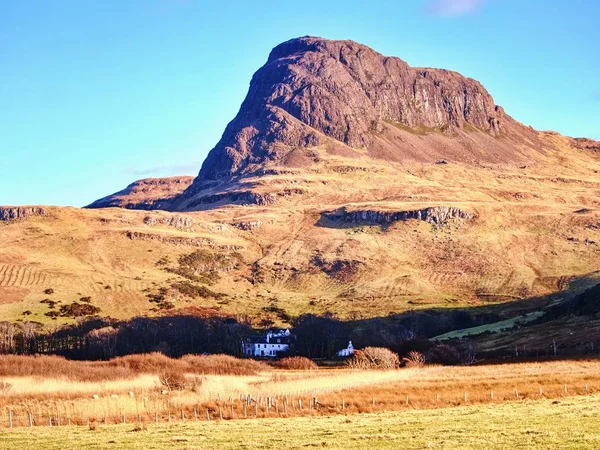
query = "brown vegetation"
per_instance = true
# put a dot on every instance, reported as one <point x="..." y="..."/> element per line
<point x="374" y="358"/>
<point x="297" y="363"/>
<point x="414" y="359"/>
<point x="296" y="393"/>
<point x="126" y="366"/>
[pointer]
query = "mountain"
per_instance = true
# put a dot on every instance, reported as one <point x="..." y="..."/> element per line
<point x="315" y="99"/>
<point x="344" y="99"/>
<point x="348" y="183"/>
<point x="315" y="92"/>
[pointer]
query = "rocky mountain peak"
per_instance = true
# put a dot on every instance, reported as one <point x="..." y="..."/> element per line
<point x="312" y="90"/>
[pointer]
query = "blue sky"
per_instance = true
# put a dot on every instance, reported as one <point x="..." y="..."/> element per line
<point x="96" y="94"/>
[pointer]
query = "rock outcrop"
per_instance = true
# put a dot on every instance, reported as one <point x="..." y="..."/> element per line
<point x="148" y="194"/>
<point x="13" y="213"/>
<point x="247" y="225"/>
<point x="433" y="215"/>
<point x="179" y="222"/>
<point x="181" y="241"/>
<point x="312" y="90"/>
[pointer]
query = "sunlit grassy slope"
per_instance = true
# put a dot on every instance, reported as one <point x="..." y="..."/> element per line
<point x="534" y="230"/>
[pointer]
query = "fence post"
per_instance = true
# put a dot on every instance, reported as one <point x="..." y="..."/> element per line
<point x="465" y="396"/>
<point x="30" y="420"/>
<point x="10" y="421"/>
<point x="155" y="417"/>
<point x="492" y="395"/>
<point x="207" y="415"/>
<point x="541" y="391"/>
<point x="232" y="410"/>
<point x="343" y="404"/>
<point x="587" y="388"/>
<point x="195" y="414"/>
<point x="220" y="413"/>
<point x="407" y="399"/>
<point x="566" y="389"/>
<point x="516" y="393"/>
<point x="182" y="414"/>
<point x="49" y="421"/>
<point x="245" y="411"/>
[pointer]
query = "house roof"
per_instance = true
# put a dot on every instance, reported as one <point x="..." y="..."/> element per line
<point x="273" y="340"/>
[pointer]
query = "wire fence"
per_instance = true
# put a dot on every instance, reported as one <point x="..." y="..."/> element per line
<point x="339" y="399"/>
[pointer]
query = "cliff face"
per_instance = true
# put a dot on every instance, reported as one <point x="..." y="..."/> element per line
<point x="433" y="215"/>
<point x="13" y="213"/>
<point x="311" y="90"/>
<point x="149" y="193"/>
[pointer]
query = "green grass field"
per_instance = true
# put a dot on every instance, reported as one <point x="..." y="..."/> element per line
<point x="569" y="423"/>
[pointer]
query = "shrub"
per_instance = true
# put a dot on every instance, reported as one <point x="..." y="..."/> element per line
<point x="414" y="359"/>
<point x="173" y="380"/>
<point x="190" y="290"/>
<point x="297" y="363"/>
<point x="374" y="358"/>
<point x="49" y="291"/>
<point x="5" y="387"/>
<point x="78" y="310"/>
<point x="51" y="303"/>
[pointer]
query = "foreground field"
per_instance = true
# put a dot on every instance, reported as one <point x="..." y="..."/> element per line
<point x="542" y="424"/>
<point x="265" y="392"/>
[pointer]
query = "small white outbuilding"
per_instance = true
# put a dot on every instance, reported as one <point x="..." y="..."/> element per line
<point x="348" y="351"/>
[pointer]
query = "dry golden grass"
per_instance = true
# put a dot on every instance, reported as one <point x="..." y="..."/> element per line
<point x="124" y="367"/>
<point x="281" y="393"/>
<point x="517" y="246"/>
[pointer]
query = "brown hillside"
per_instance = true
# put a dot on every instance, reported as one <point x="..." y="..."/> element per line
<point x="349" y="182"/>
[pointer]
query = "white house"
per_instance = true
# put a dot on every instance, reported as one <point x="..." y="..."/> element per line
<point x="348" y="351"/>
<point x="269" y="345"/>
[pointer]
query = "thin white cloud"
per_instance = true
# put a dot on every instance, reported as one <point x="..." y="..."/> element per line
<point x="191" y="168"/>
<point x="453" y="8"/>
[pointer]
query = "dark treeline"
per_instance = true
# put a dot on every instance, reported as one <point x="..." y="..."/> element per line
<point x="98" y="338"/>
<point x="177" y="335"/>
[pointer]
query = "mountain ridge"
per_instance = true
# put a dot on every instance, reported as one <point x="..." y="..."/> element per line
<point x="315" y="100"/>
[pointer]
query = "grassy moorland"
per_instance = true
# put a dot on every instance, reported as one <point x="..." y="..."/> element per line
<point x="541" y="424"/>
<point x="533" y="231"/>
<point x="156" y="389"/>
